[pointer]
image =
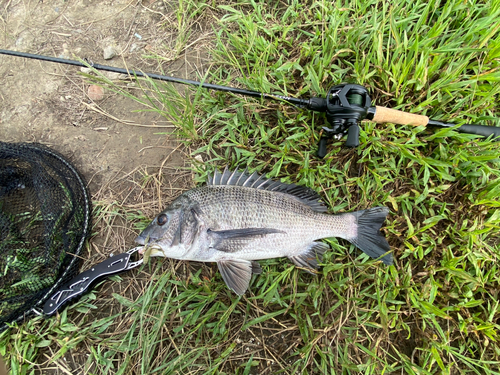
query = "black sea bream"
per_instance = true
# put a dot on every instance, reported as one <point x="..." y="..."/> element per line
<point x="237" y="219"/>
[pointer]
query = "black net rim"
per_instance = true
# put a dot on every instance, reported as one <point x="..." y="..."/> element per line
<point x="82" y="185"/>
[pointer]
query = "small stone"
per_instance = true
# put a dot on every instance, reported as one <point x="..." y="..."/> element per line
<point x="95" y="93"/>
<point x="65" y="53"/>
<point x="81" y="138"/>
<point x="109" y="52"/>
<point x="113" y="76"/>
<point x="85" y="70"/>
<point x="135" y="47"/>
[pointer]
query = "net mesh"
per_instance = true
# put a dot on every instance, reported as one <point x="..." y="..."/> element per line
<point x="44" y="221"/>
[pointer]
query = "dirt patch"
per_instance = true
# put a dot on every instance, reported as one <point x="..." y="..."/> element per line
<point x="48" y="103"/>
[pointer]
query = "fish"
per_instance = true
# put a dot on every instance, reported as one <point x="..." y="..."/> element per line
<point x="238" y="218"/>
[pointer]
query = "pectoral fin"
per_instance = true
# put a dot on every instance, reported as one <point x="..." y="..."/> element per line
<point x="236" y="273"/>
<point x="309" y="258"/>
<point x="233" y="240"/>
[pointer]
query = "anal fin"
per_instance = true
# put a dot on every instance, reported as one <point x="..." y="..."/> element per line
<point x="310" y="257"/>
<point x="236" y="274"/>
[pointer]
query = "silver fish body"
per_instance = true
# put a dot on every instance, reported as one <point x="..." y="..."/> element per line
<point x="238" y="218"/>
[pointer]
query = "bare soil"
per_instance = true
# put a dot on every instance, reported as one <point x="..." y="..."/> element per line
<point x="48" y="103"/>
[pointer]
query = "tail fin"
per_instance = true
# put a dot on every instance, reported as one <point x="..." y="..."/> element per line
<point x="369" y="239"/>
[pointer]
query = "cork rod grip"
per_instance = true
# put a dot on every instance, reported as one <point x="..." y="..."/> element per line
<point x="383" y="115"/>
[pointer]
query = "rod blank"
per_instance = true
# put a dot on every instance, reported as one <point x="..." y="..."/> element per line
<point x="160" y="77"/>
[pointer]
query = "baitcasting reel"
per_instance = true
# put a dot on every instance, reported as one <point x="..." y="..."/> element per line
<point x="346" y="106"/>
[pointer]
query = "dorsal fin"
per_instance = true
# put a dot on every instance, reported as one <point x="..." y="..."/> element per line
<point x="256" y="181"/>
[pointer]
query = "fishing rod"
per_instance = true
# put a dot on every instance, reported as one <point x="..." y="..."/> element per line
<point x="345" y="105"/>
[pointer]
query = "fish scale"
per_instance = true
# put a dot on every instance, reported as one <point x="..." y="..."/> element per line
<point x="238" y="218"/>
<point x="232" y="207"/>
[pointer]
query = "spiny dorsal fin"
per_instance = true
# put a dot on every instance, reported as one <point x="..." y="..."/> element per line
<point x="256" y="181"/>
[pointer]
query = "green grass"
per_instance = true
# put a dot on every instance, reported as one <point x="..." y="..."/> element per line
<point x="436" y="311"/>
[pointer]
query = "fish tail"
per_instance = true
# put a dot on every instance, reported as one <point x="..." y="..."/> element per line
<point x="369" y="239"/>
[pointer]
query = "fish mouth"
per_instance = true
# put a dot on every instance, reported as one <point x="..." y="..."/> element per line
<point x="153" y="251"/>
<point x="140" y="240"/>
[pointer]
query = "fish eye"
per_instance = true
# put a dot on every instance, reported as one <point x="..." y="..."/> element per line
<point x="162" y="219"/>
